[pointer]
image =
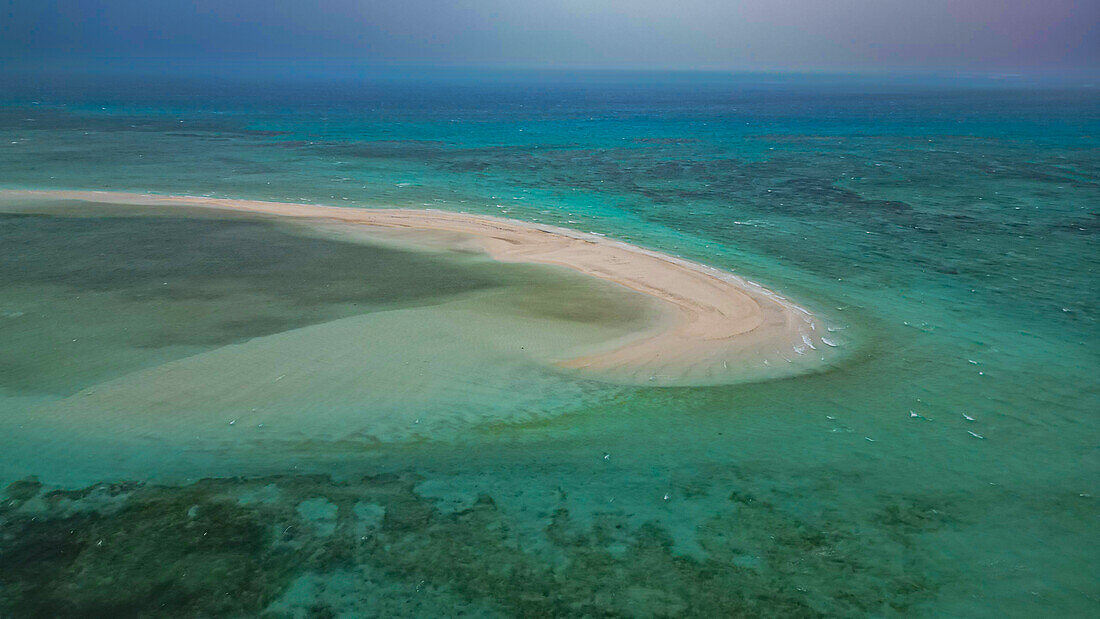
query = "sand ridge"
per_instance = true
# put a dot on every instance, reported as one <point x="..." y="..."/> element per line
<point x="717" y="327"/>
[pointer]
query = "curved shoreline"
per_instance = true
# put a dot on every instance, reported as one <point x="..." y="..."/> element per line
<point x="721" y="328"/>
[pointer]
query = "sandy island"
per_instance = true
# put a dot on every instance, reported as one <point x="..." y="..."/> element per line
<point x="717" y="327"/>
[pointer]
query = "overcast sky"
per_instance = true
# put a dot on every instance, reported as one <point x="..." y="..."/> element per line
<point x="992" y="35"/>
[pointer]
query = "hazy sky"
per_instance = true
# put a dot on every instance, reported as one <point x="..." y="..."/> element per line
<point x="995" y="35"/>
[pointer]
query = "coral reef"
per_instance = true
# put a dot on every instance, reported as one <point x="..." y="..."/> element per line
<point x="298" y="546"/>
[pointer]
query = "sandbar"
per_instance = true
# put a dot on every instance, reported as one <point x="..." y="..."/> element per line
<point x="716" y="327"/>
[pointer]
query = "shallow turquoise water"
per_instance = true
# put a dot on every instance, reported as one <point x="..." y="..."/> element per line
<point x="947" y="465"/>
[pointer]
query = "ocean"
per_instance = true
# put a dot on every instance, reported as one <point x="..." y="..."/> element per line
<point x="412" y="462"/>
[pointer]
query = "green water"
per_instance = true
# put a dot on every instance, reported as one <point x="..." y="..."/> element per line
<point x="945" y="464"/>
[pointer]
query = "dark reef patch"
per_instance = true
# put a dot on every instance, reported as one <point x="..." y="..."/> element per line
<point x="249" y="546"/>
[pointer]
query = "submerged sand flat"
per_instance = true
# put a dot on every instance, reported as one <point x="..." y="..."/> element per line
<point x="377" y="377"/>
<point x="716" y="327"/>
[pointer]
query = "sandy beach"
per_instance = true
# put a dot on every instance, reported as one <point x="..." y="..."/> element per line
<point x="715" y="326"/>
